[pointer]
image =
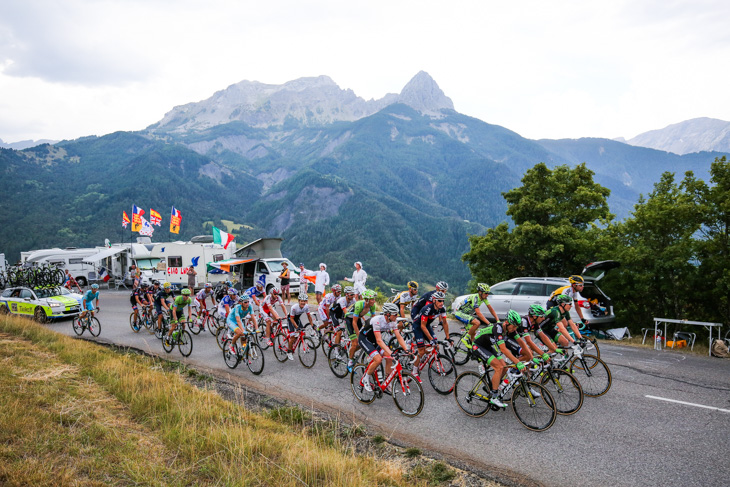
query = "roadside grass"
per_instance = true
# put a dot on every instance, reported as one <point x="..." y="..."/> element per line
<point x="72" y="412"/>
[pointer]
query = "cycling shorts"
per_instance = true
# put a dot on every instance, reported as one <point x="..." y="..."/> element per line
<point x="552" y="332"/>
<point x="350" y="329"/>
<point x="290" y="325"/>
<point x="465" y="318"/>
<point x="370" y="348"/>
<point x="200" y="304"/>
<point x="158" y="308"/>
<point x="89" y="305"/>
<point x="322" y="315"/>
<point x="486" y="355"/>
<point x="513" y="346"/>
<point x="419" y="336"/>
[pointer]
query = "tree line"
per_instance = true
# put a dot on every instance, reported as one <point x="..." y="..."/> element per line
<point x="674" y="248"/>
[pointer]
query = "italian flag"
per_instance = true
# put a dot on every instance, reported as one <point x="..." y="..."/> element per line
<point x="222" y="238"/>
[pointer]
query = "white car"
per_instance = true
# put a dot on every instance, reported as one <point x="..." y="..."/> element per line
<point x="43" y="304"/>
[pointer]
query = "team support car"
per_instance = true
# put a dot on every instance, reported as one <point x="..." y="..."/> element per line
<point x="522" y="292"/>
<point x="42" y="304"/>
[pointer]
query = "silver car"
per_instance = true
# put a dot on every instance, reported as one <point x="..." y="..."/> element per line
<point x="521" y="292"/>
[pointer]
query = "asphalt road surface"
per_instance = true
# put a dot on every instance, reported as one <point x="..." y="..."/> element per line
<point x="637" y="434"/>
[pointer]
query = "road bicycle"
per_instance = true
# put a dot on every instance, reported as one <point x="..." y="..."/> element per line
<point x="338" y="356"/>
<point x="142" y="318"/>
<point x="592" y="372"/>
<point x="88" y="322"/>
<point x="180" y="337"/>
<point x="532" y="404"/>
<point x="222" y="331"/>
<point x="563" y="386"/>
<point x="164" y="325"/>
<point x="251" y="353"/>
<point x="306" y="350"/>
<point x="407" y="392"/>
<point x="202" y="320"/>
<point x="441" y="369"/>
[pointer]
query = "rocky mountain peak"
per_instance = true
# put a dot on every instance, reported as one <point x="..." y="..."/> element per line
<point x="695" y="135"/>
<point x="423" y="94"/>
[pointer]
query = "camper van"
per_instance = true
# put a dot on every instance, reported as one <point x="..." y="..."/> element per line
<point x="116" y="259"/>
<point x="263" y="258"/>
<point x="173" y="259"/>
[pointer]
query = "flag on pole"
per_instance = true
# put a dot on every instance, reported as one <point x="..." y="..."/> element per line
<point x="104" y="275"/>
<point x="125" y="219"/>
<point x="146" y="227"/>
<point x="137" y="213"/>
<point x="155" y="218"/>
<point x="175" y="220"/>
<point x="222" y="238"/>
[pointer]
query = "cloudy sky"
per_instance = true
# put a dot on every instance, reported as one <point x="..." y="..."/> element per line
<point x="545" y="69"/>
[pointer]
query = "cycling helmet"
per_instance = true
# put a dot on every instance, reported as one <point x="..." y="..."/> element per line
<point x="275" y="291"/>
<point x="337" y="288"/>
<point x="185" y="292"/>
<point x="563" y="299"/>
<point x="94" y="286"/>
<point x="483" y="288"/>
<point x="513" y="318"/>
<point x="438" y="296"/>
<point x="390" y="308"/>
<point x="259" y="285"/>
<point x="207" y="285"/>
<point x="536" y="310"/>
<point x="576" y="280"/>
<point x="228" y="283"/>
<point x="442" y="286"/>
<point x="144" y="285"/>
<point x="303" y="297"/>
<point x="245" y="298"/>
<point x="369" y="294"/>
<point x="233" y="291"/>
<point x="167" y="285"/>
<point x="155" y="282"/>
<point x="413" y="284"/>
<point x="349" y="290"/>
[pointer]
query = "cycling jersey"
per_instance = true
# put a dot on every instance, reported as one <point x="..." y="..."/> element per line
<point x="430" y="313"/>
<point x="203" y="294"/>
<point x="159" y="298"/>
<point x="568" y="291"/>
<point x="269" y="303"/>
<point x="359" y="309"/>
<point x="296" y="312"/>
<point x="404" y="297"/>
<point x="327" y="301"/>
<point x="552" y="318"/>
<point x="380" y="324"/>
<point x="180" y="302"/>
<point x="89" y="296"/>
<point x="472" y="303"/>
<point x="239" y="312"/>
<point x="136" y="293"/>
<point x="338" y="309"/>
<point x="226" y="301"/>
<point x="253" y="292"/>
<point x="423" y="301"/>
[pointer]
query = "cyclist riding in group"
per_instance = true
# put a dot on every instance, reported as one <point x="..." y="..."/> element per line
<point x="556" y="320"/>
<point x="357" y="314"/>
<point x="325" y="305"/>
<point x="371" y="341"/>
<point x="337" y="313"/>
<point x="268" y="311"/>
<point x="255" y="292"/>
<point x="572" y="291"/>
<point x="422" y="331"/>
<point x="441" y="286"/>
<point x="178" y="309"/>
<point x="294" y="320"/>
<point x="138" y="298"/>
<point x="203" y="295"/>
<point x="227" y="303"/>
<point x="88" y="301"/>
<point x="528" y="323"/>
<point x="405" y="298"/>
<point x="235" y="321"/>
<point x="470" y="313"/>
<point x="161" y="302"/>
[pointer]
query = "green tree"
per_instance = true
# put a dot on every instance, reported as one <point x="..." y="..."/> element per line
<point x="556" y="215"/>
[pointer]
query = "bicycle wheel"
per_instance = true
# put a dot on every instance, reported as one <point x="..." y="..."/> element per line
<point x="592" y="347"/>
<point x="212" y="324"/>
<point x="134" y="322"/>
<point x="150" y="324"/>
<point x="565" y="389"/>
<point x="185" y="343"/>
<point x="337" y="358"/>
<point x="168" y="343"/>
<point x="472" y="394"/>
<point x="313" y="334"/>
<point x="592" y="373"/>
<point x="230" y="358"/>
<point x="162" y="330"/>
<point x="536" y="413"/>
<point x="196" y="324"/>
<point x="442" y="374"/>
<point x="408" y="395"/>
<point x="281" y="345"/>
<point x="358" y="390"/>
<point x="220" y="336"/>
<point x="461" y="351"/>
<point x="77" y="326"/>
<point x="327" y="341"/>
<point x="307" y="352"/>
<point x="254" y="359"/>
<point x="94" y="326"/>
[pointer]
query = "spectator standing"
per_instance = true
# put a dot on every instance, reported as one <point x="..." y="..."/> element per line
<point x="323" y="280"/>
<point x="358" y="279"/>
<point x="285" y="276"/>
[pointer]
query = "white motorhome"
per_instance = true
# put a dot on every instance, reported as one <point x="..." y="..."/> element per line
<point x="263" y="258"/>
<point x="71" y="259"/>
<point x="116" y="259"/>
<point x="173" y="259"/>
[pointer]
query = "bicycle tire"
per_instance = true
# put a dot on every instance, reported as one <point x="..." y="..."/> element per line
<point x="230" y="358"/>
<point x="77" y="326"/>
<point x="461" y="352"/>
<point x="149" y="324"/>
<point x="220" y="336"/>
<point x="307" y="352"/>
<point x="358" y="390"/>
<point x="195" y="324"/>
<point x="162" y="330"/>
<point x="442" y="374"/>
<point x="535" y="413"/>
<point x="565" y="389"/>
<point x="212" y="324"/>
<point x="592" y="348"/>
<point x="594" y="377"/>
<point x="313" y="334"/>
<point x="254" y="358"/>
<point x="338" y="366"/>
<point x="185" y="343"/>
<point x="134" y="323"/>
<point x="281" y="345"/>
<point x="408" y="395"/>
<point x="466" y="385"/>
<point x="327" y="341"/>
<point x="94" y="326"/>
<point x="167" y="343"/>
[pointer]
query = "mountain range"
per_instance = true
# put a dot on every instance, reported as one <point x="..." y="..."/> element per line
<point x="397" y="183"/>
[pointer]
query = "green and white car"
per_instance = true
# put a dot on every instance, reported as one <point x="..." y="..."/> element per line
<point x="41" y="304"/>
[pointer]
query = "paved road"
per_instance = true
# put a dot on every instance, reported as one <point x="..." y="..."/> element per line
<point x="624" y="438"/>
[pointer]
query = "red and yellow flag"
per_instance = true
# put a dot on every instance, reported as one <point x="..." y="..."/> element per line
<point x="155" y="218"/>
<point x="175" y="220"/>
<point x="137" y="213"/>
<point x="125" y="219"/>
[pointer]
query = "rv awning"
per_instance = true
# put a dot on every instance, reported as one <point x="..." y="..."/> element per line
<point x="225" y="265"/>
<point x="103" y="254"/>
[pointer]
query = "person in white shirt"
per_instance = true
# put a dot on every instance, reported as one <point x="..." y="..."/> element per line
<point x="322" y="280"/>
<point x="358" y="279"/>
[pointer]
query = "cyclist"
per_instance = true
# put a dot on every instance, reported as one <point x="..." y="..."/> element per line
<point x="221" y="289"/>
<point x="235" y="321"/>
<point x="406" y="298"/>
<point x="371" y="340"/>
<point x="137" y="299"/>
<point x="151" y="291"/>
<point x="441" y="286"/>
<point x="530" y="323"/>
<point x="325" y="305"/>
<point x="470" y="313"/>
<point x="268" y="311"/>
<point x="161" y="302"/>
<point x="294" y="321"/>
<point x="572" y="291"/>
<point x="89" y="297"/>
<point x="227" y="303"/>
<point x="358" y="313"/>
<point x="255" y="292"/>
<point x="337" y="313"/>
<point x="178" y="308"/>
<point x="203" y="294"/>
<point x="556" y="319"/>
<point x="422" y="330"/>
<point x="486" y="347"/>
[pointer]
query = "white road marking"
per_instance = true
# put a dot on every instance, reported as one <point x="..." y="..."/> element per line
<point x="689" y="403"/>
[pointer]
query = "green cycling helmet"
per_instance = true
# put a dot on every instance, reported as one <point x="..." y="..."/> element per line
<point x="514" y="318"/>
<point x="483" y="288"/>
<point x="185" y="292"/>
<point x="368" y="294"/>
<point x="563" y="299"/>
<point x="536" y="310"/>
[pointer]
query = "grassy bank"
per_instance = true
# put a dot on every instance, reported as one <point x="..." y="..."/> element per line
<point x="72" y="412"/>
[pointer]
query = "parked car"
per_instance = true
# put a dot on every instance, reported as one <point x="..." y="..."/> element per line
<point x="42" y="304"/>
<point x="521" y="292"/>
